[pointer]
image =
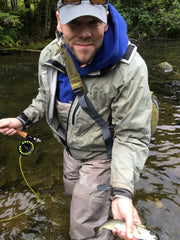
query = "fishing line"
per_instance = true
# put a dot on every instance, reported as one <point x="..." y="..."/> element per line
<point x="25" y="148"/>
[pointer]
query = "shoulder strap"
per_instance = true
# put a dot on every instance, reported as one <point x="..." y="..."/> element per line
<point x="74" y="78"/>
<point x="129" y="54"/>
<point x="88" y="107"/>
<point x="85" y="103"/>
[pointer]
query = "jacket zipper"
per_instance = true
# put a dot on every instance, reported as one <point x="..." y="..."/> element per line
<point x="73" y="118"/>
<point x="67" y="149"/>
<point x="74" y="113"/>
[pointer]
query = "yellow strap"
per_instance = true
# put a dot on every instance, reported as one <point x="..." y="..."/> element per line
<point x="72" y="72"/>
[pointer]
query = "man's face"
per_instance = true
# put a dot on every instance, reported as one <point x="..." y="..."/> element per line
<point x="83" y="36"/>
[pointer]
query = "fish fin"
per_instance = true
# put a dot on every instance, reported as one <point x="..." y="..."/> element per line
<point x="96" y="229"/>
<point x="136" y="226"/>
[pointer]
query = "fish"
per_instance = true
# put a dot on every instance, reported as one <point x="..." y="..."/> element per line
<point x="140" y="231"/>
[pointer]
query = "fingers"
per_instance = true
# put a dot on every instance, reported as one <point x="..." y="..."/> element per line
<point x="136" y="217"/>
<point x="130" y="227"/>
<point x="120" y="233"/>
<point x="3" y="120"/>
<point x="8" y="126"/>
<point x="8" y="131"/>
<point x="3" y="126"/>
<point x="122" y="208"/>
<point x="4" y="123"/>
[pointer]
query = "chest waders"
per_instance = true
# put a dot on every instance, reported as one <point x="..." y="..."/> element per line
<point x="85" y="103"/>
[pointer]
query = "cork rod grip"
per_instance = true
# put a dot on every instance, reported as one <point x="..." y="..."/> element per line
<point x="22" y="134"/>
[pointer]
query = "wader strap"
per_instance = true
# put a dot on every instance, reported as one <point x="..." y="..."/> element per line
<point x="85" y="103"/>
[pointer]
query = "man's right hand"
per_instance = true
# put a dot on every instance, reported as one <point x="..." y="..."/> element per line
<point x="9" y="126"/>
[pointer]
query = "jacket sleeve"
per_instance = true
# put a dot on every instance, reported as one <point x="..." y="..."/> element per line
<point x="36" y="110"/>
<point x="131" y="116"/>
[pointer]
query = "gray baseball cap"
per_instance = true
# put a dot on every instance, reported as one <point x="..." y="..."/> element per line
<point x="69" y="12"/>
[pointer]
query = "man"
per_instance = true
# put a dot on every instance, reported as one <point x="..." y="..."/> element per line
<point x="95" y="37"/>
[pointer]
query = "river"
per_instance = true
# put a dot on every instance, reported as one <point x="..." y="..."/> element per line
<point x="157" y="195"/>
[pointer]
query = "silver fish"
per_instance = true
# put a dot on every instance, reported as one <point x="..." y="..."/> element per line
<point x="140" y="231"/>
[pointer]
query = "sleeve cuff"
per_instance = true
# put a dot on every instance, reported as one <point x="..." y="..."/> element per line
<point x="26" y="122"/>
<point x="121" y="192"/>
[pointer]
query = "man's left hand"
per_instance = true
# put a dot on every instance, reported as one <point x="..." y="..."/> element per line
<point x="122" y="208"/>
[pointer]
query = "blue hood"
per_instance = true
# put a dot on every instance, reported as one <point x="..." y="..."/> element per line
<point x="112" y="50"/>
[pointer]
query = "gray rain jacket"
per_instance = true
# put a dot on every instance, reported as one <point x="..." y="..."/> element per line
<point x="123" y="91"/>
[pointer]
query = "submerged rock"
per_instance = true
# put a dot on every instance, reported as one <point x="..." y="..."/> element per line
<point x="165" y="66"/>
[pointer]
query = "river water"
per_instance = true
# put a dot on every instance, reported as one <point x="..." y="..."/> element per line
<point x="157" y="195"/>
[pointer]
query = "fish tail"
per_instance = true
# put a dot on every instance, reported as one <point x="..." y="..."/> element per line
<point x="97" y="229"/>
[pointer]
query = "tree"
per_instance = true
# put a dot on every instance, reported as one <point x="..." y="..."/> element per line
<point x="150" y="18"/>
<point x="3" y="3"/>
<point x="48" y="18"/>
<point x="13" y="4"/>
<point x="27" y="3"/>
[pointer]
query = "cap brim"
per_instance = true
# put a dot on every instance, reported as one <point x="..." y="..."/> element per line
<point x="68" y="13"/>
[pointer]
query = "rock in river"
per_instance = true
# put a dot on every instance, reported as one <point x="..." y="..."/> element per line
<point x="165" y="66"/>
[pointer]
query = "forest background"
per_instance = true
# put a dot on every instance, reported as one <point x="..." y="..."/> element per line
<point x="32" y="23"/>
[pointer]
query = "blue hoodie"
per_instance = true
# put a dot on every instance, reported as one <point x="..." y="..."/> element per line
<point x="112" y="50"/>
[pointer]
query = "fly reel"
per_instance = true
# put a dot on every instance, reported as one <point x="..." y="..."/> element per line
<point x="26" y="147"/>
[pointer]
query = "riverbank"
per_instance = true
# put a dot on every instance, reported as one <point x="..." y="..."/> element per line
<point x="37" y="47"/>
<point x="33" y="46"/>
<point x="16" y="51"/>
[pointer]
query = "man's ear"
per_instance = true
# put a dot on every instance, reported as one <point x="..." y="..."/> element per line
<point x="58" y="22"/>
<point x="106" y="25"/>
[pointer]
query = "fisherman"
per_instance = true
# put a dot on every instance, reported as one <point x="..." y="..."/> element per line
<point x="115" y="87"/>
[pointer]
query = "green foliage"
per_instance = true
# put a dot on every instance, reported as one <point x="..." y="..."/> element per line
<point x="9" y="29"/>
<point x="150" y="18"/>
<point x="37" y="45"/>
<point x="21" y="13"/>
<point x="35" y="19"/>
